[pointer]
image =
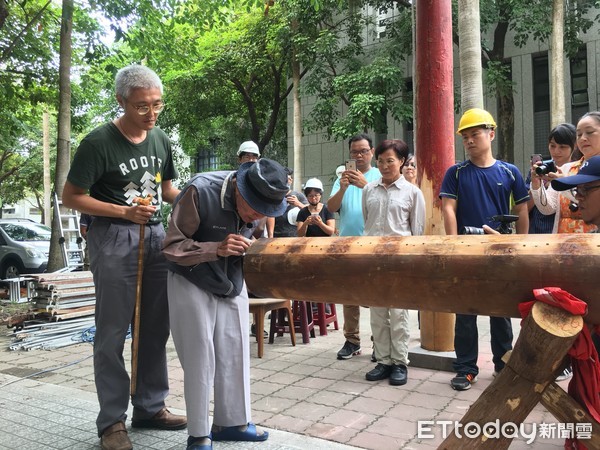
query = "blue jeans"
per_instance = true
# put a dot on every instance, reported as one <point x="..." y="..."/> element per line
<point x="466" y="342"/>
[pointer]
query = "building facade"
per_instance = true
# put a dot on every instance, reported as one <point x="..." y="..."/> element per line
<point x="530" y="73"/>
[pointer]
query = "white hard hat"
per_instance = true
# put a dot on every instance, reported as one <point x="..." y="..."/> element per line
<point x="248" y="147"/>
<point x="292" y="215"/>
<point x="313" y="183"/>
<point x="339" y="170"/>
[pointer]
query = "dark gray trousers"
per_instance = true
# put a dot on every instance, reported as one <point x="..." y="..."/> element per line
<point x="114" y="261"/>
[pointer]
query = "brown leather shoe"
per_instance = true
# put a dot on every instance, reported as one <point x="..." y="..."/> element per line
<point x="115" y="438"/>
<point x="162" y="420"/>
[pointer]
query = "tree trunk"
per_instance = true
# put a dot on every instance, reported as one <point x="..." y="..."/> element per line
<point x="557" y="65"/>
<point x="298" y="151"/>
<point x="506" y="120"/>
<point x="46" y="217"/>
<point x="63" y="156"/>
<point x="471" y="82"/>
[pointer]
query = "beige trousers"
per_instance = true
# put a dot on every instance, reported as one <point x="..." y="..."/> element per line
<point x="390" y="335"/>
<point x="352" y="324"/>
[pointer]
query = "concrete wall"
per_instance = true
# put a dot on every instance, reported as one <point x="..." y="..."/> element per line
<point x="25" y="209"/>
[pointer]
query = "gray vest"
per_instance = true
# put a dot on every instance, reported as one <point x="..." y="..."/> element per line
<point x="218" y="218"/>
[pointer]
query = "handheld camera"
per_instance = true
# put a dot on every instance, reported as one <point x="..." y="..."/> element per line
<point x="504" y="227"/>
<point x="546" y="167"/>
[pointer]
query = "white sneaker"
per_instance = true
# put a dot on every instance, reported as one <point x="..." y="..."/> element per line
<point x="566" y="374"/>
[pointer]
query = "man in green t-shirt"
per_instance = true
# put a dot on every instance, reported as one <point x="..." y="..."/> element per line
<point x="117" y="165"/>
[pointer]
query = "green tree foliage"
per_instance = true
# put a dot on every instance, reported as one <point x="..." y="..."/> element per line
<point x="23" y="170"/>
<point x="368" y="82"/>
<point x="225" y="80"/>
<point x="27" y="69"/>
<point x="226" y="66"/>
<point x="29" y="37"/>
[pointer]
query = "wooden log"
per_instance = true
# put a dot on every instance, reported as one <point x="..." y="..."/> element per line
<point x="546" y="336"/>
<point x="567" y="410"/>
<point x="437" y="331"/>
<point x="488" y="275"/>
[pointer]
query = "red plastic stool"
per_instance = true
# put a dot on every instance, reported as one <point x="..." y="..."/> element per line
<point x="303" y="320"/>
<point x="324" y="318"/>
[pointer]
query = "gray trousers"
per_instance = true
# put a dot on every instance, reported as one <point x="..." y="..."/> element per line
<point x="211" y="338"/>
<point x="114" y="262"/>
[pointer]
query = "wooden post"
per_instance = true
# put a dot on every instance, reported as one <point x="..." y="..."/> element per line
<point x="437" y="331"/>
<point x="137" y="311"/>
<point x="434" y="110"/>
<point x="566" y="410"/>
<point x="546" y="336"/>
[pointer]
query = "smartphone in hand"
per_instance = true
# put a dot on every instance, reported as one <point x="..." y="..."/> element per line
<point x="536" y="157"/>
<point x="351" y="164"/>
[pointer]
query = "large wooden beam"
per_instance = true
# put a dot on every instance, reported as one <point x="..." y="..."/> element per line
<point x="487" y="275"/>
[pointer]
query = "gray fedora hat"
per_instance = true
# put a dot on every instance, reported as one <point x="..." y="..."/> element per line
<point x="263" y="185"/>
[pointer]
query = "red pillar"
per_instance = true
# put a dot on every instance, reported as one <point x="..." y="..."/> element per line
<point x="434" y="135"/>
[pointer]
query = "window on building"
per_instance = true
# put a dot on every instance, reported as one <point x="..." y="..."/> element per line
<point x="206" y="160"/>
<point x="541" y="95"/>
<point x="384" y="17"/>
<point x="541" y="103"/>
<point x="580" y="100"/>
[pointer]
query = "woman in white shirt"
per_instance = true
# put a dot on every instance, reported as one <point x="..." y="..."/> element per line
<point x="547" y="200"/>
<point x="391" y="207"/>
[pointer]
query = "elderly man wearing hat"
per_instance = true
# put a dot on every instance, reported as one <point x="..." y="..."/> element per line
<point x="209" y="233"/>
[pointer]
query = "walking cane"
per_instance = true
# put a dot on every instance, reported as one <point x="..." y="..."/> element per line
<point x="138" y="302"/>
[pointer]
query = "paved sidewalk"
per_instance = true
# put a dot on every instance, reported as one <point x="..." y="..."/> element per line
<point x="303" y="395"/>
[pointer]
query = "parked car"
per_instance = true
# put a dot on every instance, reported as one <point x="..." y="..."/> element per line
<point x="24" y="247"/>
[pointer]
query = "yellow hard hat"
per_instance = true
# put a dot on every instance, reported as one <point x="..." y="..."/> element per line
<point x="475" y="117"/>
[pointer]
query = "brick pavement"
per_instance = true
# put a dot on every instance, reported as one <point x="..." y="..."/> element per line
<point x="303" y="395"/>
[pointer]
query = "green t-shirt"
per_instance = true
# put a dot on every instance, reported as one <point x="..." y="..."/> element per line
<point x="116" y="171"/>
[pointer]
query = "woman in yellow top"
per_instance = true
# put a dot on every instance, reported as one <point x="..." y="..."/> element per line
<point x="549" y="201"/>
